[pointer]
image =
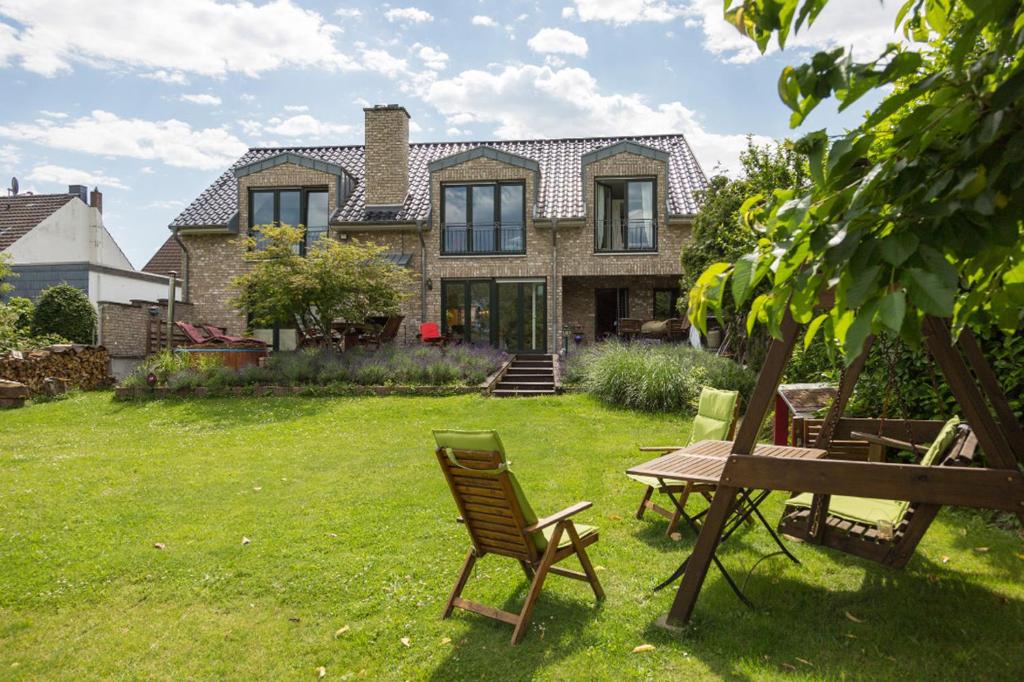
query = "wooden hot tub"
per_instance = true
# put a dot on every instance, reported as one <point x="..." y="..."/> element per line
<point x="235" y="357"/>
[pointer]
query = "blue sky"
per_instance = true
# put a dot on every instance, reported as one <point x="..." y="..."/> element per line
<point x="151" y="100"/>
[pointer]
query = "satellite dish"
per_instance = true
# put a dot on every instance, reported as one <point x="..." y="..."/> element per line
<point x="14" y="186"/>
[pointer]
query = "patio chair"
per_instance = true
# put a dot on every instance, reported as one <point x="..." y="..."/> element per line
<point x="885" y="531"/>
<point x="678" y="329"/>
<point x="194" y="334"/>
<point x="430" y="333"/>
<point x="629" y="328"/>
<point x="220" y="334"/>
<point x="382" y="334"/>
<point x="715" y="420"/>
<point x="501" y="521"/>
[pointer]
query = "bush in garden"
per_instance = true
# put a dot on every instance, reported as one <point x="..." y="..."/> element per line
<point x="654" y="378"/>
<point x="66" y="311"/>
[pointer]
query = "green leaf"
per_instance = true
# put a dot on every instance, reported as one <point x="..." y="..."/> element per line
<point x="755" y="312"/>
<point x="812" y="329"/>
<point x="857" y="333"/>
<point x="891" y="310"/>
<point x="744" y="278"/>
<point x="929" y="292"/>
<point x="789" y="88"/>
<point x="898" y="247"/>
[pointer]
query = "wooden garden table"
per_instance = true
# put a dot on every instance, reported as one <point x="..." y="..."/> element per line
<point x="704" y="463"/>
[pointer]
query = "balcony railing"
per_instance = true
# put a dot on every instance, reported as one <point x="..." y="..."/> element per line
<point x="628" y="235"/>
<point x="489" y="238"/>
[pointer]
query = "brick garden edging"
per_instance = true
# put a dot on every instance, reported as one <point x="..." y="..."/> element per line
<point x="145" y="393"/>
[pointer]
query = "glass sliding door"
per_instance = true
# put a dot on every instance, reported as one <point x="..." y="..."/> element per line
<point x="479" y="313"/>
<point x="467" y="310"/>
<point x="453" y="296"/>
<point x="522" y="316"/>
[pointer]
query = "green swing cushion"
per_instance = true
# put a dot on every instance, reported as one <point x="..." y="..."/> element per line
<point x="714" y="414"/>
<point x="873" y="511"/>
<point x="490" y="441"/>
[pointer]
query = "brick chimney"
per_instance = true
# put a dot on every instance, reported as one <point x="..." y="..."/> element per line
<point x="387" y="155"/>
<point x="96" y="199"/>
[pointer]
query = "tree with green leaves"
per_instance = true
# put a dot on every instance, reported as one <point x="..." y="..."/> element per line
<point x="918" y="210"/>
<point x="65" y="311"/>
<point x="720" y="235"/>
<point x="6" y="273"/>
<point x="333" y="280"/>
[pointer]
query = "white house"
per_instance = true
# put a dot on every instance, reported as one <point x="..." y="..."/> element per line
<point x="55" y="238"/>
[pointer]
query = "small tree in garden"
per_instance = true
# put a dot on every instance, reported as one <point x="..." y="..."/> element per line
<point x="918" y="211"/>
<point x="5" y="273"/>
<point x="334" y="280"/>
<point x="720" y="235"/>
<point x="65" y="311"/>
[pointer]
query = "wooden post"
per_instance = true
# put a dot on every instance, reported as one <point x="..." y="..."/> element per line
<point x="780" y="432"/>
<point x="994" y="392"/>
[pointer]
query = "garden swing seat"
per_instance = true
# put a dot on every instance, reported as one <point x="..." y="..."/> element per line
<point x="886" y="531"/>
<point x="501" y="521"/>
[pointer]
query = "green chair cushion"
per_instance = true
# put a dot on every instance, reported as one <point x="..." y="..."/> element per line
<point x="582" y="530"/>
<point x="715" y="411"/>
<point x="867" y="510"/>
<point x="942" y="441"/>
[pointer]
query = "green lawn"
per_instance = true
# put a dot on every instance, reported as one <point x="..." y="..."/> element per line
<point x="351" y="524"/>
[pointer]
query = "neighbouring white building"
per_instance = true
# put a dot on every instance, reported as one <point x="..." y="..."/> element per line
<point x="55" y="238"/>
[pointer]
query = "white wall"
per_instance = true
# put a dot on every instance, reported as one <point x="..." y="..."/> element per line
<point x="105" y="286"/>
<point x="72" y="234"/>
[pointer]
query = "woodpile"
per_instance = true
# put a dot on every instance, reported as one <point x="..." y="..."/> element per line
<point x="13" y="394"/>
<point x="57" y="368"/>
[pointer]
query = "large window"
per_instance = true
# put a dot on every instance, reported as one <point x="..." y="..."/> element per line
<point x="483" y="218"/>
<point x="294" y="207"/>
<point x="509" y="314"/>
<point x="625" y="215"/>
<point x="665" y="301"/>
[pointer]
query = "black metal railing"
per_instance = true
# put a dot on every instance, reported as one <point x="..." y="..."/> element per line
<point x="487" y="238"/>
<point x="638" y="234"/>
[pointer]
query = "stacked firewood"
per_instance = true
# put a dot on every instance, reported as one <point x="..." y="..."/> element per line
<point x="65" y="365"/>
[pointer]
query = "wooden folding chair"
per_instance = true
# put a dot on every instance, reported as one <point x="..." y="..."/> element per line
<point x="886" y="531"/>
<point x="715" y="420"/>
<point x="501" y="521"/>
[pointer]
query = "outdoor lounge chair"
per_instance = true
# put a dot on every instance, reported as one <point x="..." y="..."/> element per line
<point x="194" y="334"/>
<point x="220" y="334"/>
<point x="381" y="334"/>
<point x="886" y="531"/>
<point x="715" y="420"/>
<point x="501" y="521"/>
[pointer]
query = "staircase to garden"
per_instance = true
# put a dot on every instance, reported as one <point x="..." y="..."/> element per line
<point x="528" y="375"/>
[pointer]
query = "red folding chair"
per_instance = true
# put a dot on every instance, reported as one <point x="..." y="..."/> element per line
<point x="430" y="332"/>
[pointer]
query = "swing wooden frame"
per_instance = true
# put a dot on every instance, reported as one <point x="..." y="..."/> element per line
<point x="979" y="396"/>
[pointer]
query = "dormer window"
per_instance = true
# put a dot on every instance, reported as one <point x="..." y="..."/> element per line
<point x="483" y="218"/>
<point x="625" y="216"/>
<point x="294" y="207"/>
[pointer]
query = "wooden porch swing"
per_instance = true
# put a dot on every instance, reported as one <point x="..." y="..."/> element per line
<point x="992" y="426"/>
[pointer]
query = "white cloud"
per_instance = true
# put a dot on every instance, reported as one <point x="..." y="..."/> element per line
<point x="9" y="155"/>
<point x="865" y="26"/>
<point x="381" y="61"/>
<point x="455" y="132"/>
<point x="53" y="114"/>
<point x="168" y="38"/>
<point x="623" y="12"/>
<point x="558" y="40"/>
<point x="73" y="176"/>
<point x="171" y="141"/>
<point x="202" y="99"/>
<point x="408" y="15"/>
<point x="301" y="126"/>
<point x="524" y="101"/>
<point x="298" y="108"/>
<point x="147" y="170"/>
<point x="482" y="20"/>
<point x="164" y="76"/>
<point x="348" y="13"/>
<point x="435" y="60"/>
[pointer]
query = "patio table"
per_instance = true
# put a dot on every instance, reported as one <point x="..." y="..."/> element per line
<point x="703" y="463"/>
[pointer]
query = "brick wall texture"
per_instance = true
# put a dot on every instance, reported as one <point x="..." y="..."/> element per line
<point x="387" y="155"/>
<point x="123" y="326"/>
<point x="216" y="259"/>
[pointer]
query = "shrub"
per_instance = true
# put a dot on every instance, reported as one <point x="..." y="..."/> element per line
<point x="655" y="378"/>
<point x="66" y="311"/>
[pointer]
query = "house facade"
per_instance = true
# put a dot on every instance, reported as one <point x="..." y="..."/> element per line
<point x="508" y="242"/>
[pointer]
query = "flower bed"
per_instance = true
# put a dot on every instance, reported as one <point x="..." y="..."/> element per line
<point x="392" y="370"/>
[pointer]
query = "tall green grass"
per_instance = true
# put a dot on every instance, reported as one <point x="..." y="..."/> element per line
<point x="654" y="378"/>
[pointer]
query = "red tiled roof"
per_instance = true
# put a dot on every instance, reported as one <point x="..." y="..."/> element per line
<point x="19" y="214"/>
<point x="166" y="259"/>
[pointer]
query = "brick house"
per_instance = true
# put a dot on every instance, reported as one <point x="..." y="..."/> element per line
<point x="508" y="241"/>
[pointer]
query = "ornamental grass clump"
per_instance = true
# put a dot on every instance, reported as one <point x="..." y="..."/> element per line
<point x="654" y="378"/>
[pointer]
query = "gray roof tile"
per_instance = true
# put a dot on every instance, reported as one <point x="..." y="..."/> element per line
<point x="560" y="193"/>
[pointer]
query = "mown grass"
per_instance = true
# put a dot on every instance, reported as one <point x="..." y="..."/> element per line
<point x="350" y="524"/>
